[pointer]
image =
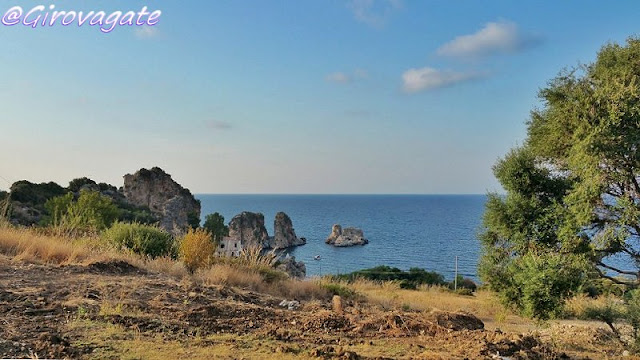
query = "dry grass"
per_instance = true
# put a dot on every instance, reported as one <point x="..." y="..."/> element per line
<point x="30" y="245"/>
<point x="253" y="278"/>
<point x="483" y="304"/>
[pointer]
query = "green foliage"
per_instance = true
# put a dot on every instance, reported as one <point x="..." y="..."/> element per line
<point x="35" y="194"/>
<point x="633" y="315"/>
<point x="214" y="223"/>
<point x="76" y="184"/>
<point x="464" y="283"/>
<point x="572" y="190"/>
<point x="193" y="219"/>
<point x="340" y="290"/>
<point x="137" y="214"/>
<point x="407" y="279"/>
<point x="90" y="212"/>
<point x="141" y="239"/>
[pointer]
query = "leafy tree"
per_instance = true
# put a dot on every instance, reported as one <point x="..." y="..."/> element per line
<point x="572" y="190"/>
<point x="214" y="224"/>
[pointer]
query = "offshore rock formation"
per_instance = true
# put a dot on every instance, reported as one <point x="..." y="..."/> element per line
<point x="347" y="237"/>
<point x="295" y="269"/>
<point x="284" y="235"/>
<point x="249" y="228"/>
<point x="156" y="190"/>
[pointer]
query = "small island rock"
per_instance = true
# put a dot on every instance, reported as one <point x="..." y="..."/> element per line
<point x="346" y="237"/>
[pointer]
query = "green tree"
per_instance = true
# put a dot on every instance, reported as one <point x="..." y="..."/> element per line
<point x="214" y="224"/>
<point x="572" y="190"/>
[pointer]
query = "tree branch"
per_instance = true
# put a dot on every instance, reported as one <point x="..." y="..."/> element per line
<point x="625" y="272"/>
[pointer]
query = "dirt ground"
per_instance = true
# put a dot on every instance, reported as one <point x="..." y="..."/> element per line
<point x="115" y="310"/>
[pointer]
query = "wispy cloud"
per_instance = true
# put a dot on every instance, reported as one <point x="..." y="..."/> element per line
<point x="146" y="32"/>
<point x="219" y="125"/>
<point x="340" y="77"/>
<point x="374" y="13"/>
<point x="426" y="78"/>
<point x="493" y="38"/>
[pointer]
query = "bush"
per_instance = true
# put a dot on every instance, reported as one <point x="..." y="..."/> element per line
<point x="196" y="249"/>
<point x="408" y="279"/>
<point x="92" y="211"/>
<point x="340" y="290"/>
<point x="464" y="283"/>
<point x="141" y="239"/>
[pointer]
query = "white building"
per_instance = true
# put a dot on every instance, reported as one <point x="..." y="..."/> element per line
<point x="229" y="247"/>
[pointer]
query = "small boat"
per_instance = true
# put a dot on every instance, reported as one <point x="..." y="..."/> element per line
<point x="317" y="257"/>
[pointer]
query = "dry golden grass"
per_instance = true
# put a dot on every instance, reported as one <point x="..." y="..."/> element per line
<point x="30" y="245"/>
<point x="251" y="278"/>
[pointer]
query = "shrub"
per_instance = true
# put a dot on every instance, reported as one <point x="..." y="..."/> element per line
<point x="408" y="279"/>
<point x="196" y="249"/>
<point x="91" y="212"/>
<point x="141" y="239"/>
<point x="340" y="290"/>
<point x="464" y="283"/>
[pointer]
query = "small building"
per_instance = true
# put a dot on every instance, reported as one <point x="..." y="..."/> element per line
<point x="229" y="247"/>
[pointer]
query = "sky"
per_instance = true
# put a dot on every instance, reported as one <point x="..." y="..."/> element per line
<point x="290" y="96"/>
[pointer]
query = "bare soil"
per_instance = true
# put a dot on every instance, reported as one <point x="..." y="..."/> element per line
<point x="44" y="308"/>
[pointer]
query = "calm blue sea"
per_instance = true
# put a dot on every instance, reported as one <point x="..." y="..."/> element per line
<point x="426" y="231"/>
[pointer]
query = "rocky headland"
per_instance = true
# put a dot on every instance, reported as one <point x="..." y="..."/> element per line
<point x="174" y="205"/>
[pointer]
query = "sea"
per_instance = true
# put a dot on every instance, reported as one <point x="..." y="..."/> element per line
<point x="404" y="231"/>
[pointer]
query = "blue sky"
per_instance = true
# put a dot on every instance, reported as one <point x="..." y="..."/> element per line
<point x="335" y="96"/>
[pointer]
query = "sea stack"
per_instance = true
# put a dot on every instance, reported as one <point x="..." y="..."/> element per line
<point x="346" y="237"/>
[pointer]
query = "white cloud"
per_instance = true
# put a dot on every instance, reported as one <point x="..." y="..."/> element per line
<point x="340" y="77"/>
<point x="146" y="32"/>
<point x="374" y="13"/>
<point x="493" y="38"/>
<point x="426" y="78"/>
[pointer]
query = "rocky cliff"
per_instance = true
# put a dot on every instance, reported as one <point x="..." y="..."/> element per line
<point x="155" y="189"/>
<point x="284" y="235"/>
<point x="249" y="228"/>
<point x="346" y="237"/>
